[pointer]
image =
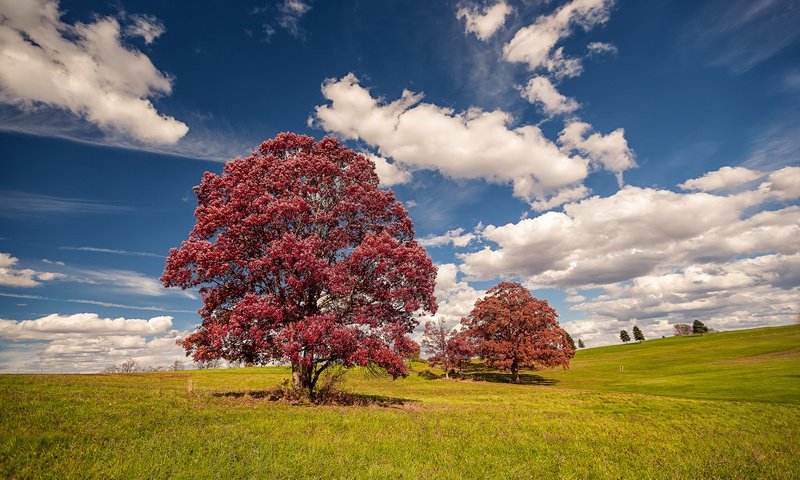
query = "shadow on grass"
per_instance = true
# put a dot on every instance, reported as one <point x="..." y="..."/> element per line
<point x="524" y="378"/>
<point x="337" y="397"/>
<point x="481" y="373"/>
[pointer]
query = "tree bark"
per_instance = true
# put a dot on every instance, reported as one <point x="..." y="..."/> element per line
<point x="301" y="379"/>
<point x="515" y="372"/>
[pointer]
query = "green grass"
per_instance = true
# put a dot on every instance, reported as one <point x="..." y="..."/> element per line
<point x="756" y="365"/>
<point x="593" y="423"/>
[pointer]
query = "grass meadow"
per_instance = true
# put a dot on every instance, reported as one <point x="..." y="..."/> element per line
<point x="725" y="405"/>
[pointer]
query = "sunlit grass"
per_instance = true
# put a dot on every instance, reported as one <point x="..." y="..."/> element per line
<point x="588" y="425"/>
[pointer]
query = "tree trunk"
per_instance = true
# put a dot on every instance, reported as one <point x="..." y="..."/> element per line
<point x="515" y="372"/>
<point x="301" y="379"/>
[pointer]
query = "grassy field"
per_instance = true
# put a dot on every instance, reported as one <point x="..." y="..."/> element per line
<point x="722" y="406"/>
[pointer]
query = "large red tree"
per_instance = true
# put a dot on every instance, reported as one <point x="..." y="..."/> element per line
<point x="514" y="329"/>
<point x="301" y="258"/>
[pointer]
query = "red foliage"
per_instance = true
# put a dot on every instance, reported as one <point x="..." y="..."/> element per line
<point x="445" y="347"/>
<point x="514" y="329"/>
<point x="303" y="259"/>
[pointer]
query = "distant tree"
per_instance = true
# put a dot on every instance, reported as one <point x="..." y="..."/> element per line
<point x="580" y="344"/>
<point x="699" y="327"/>
<point x="444" y="346"/>
<point x="623" y="335"/>
<point x="302" y="258"/>
<point x="129" y="366"/>
<point x="571" y="341"/>
<point x="512" y="329"/>
<point x="176" y="365"/>
<point x="637" y="334"/>
<point x="208" y="364"/>
<point x="682" y="329"/>
<point x="111" y="369"/>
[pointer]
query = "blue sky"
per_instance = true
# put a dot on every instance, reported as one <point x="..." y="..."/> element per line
<point x="631" y="162"/>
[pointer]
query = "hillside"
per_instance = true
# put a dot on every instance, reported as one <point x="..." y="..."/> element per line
<point x="218" y="424"/>
<point x="760" y="364"/>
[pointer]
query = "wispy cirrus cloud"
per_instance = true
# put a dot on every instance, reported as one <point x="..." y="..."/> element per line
<point x="740" y="34"/>
<point x="112" y="251"/>
<point x="22" y="204"/>
<point x="98" y="303"/>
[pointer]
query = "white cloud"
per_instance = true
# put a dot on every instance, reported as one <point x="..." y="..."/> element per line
<point x="535" y="43"/>
<point x="456" y="237"/>
<point x="659" y="257"/>
<point x="563" y="196"/>
<point x="455" y="298"/>
<point x="20" y="204"/>
<point x="125" y="281"/>
<point x="86" y="343"/>
<point x="602" y="240"/>
<point x="784" y="184"/>
<point x="601" y="48"/>
<point x="610" y="151"/>
<point x="82" y="68"/>
<point x="725" y="177"/>
<point x="484" y="22"/>
<point x="80" y="325"/>
<point x="26" y="277"/>
<point x="540" y="90"/>
<point x="470" y="145"/>
<point x="147" y="27"/>
<point x="291" y="13"/>
<point x="388" y="173"/>
<point x="112" y="251"/>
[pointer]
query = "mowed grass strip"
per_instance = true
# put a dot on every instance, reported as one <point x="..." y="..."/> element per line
<point x="154" y="426"/>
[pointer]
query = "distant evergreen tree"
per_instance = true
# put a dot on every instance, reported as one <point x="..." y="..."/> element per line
<point x="699" y="327"/>
<point x="637" y="334"/>
<point x="623" y="335"/>
<point x="571" y="341"/>
<point x="580" y="343"/>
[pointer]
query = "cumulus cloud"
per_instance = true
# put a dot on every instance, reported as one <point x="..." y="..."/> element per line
<point x="484" y="22"/>
<point x="541" y="91"/>
<point x="610" y="152"/>
<point x="81" y="324"/>
<point x="474" y="144"/>
<point x="603" y="240"/>
<point x="563" y="196"/>
<point x="455" y="237"/>
<point x="535" y="44"/>
<point x="455" y="298"/>
<point x="84" y="69"/>
<point x="86" y="342"/>
<point x="660" y="257"/>
<point x="388" y="173"/>
<point x="725" y="177"/>
<point x="10" y="276"/>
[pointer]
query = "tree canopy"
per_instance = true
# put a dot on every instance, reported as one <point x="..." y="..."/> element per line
<point x="624" y="336"/>
<point x="512" y="329"/>
<point x="301" y="258"/>
<point x="637" y="334"/>
<point x="445" y="346"/>
<point x="699" y="327"/>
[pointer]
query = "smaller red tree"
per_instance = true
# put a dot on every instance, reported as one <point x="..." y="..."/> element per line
<point x="445" y="346"/>
<point x="514" y="329"/>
